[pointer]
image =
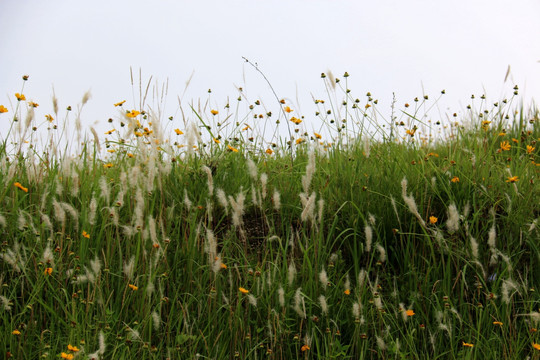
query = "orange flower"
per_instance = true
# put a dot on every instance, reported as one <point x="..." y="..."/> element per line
<point x="178" y="132"/>
<point x="536" y="346"/>
<point x="512" y="179"/>
<point x="410" y="313"/>
<point x="3" y="109"/>
<point x="530" y="149"/>
<point x="455" y="179"/>
<point x="48" y="271"/>
<point x="66" y="356"/>
<point x="347" y="292"/>
<point x="433" y="219"/>
<point x="288" y="109"/>
<point x="73" y="348"/>
<point x="305" y="347"/>
<point x="269" y="151"/>
<point x="216" y="141"/>
<point x="33" y="104"/>
<point x="296" y="120"/>
<point x="16" y="332"/>
<point x="411" y="132"/>
<point x="108" y="165"/>
<point x="85" y="234"/>
<point x="243" y="291"/>
<point x="120" y="103"/>
<point x="18" y="185"/>
<point x="223" y="266"/>
<point x="231" y="148"/>
<point x="214" y="112"/>
<point x="20" y="97"/>
<point x="318" y="136"/>
<point x="132" y="113"/>
<point x="49" y="118"/>
<point x="505" y="146"/>
<point x="497" y="323"/>
<point x="133" y="287"/>
<point x="468" y="344"/>
<point x="299" y="141"/>
<point x="110" y="132"/>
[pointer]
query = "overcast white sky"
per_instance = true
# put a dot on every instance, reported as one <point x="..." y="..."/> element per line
<point x="387" y="46"/>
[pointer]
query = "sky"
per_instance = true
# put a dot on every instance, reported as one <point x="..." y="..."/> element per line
<point x="407" y="48"/>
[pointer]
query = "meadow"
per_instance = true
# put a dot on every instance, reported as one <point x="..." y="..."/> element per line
<point x="210" y="235"/>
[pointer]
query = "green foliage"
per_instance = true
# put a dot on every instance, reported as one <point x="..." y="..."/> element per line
<point x="403" y="247"/>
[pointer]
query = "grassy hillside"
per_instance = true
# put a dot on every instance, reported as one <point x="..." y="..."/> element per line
<point x="201" y="238"/>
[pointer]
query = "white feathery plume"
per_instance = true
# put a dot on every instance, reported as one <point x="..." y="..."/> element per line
<point x="453" y="219"/>
<point x="409" y="200"/>
<point x="252" y="169"/>
<point x="310" y="170"/>
<point x="264" y="181"/>
<point x="210" y="180"/>
<point x="324" y="304"/>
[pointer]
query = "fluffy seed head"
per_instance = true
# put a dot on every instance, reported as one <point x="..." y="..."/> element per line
<point x="323" y="278"/>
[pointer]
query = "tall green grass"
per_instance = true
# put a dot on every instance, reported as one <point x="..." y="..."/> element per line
<point x="215" y="237"/>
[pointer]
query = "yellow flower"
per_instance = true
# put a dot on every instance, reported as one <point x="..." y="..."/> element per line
<point x="110" y="132"/>
<point x="130" y="155"/>
<point x="85" y="234"/>
<point x="515" y="140"/>
<point x="120" y="103"/>
<point x="48" y="271"/>
<point x="132" y="113"/>
<point x="433" y="154"/>
<point x="347" y="292"/>
<point x="3" y="109"/>
<point x="138" y="134"/>
<point x="536" y="346"/>
<point x="269" y="151"/>
<point x="178" y="132"/>
<point x="108" y="166"/>
<point x="73" y="348"/>
<point x="468" y="344"/>
<point x="288" y="109"/>
<point x="505" y="146"/>
<point x="214" y="112"/>
<point x="502" y="134"/>
<point x="318" y="136"/>
<point x="530" y="149"/>
<point x="433" y="219"/>
<point x="512" y="179"/>
<point x="231" y="148"/>
<point x="455" y="179"/>
<point x="66" y="356"/>
<point x="243" y="291"/>
<point x="133" y="287"/>
<point x="410" y="313"/>
<point x="20" y="97"/>
<point x="49" y="118"/>
<point x="305" y="347"/>
<point x="497" y="323"/>
<point x="216" y="141"/>
<point x="33" y="104"/>
<point x="299" y="141"/>
<point x="16" y="332"/>
<point x="18" y="185"/>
